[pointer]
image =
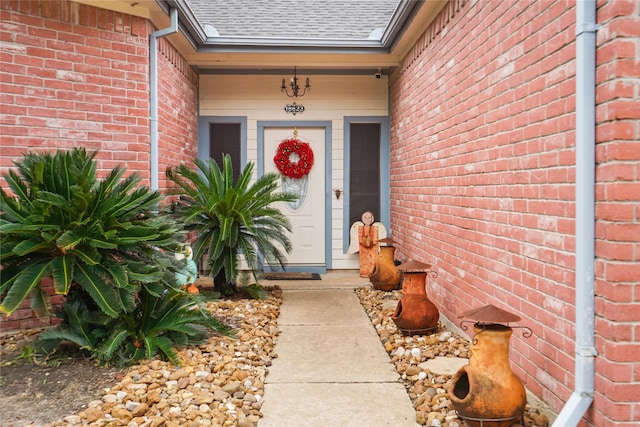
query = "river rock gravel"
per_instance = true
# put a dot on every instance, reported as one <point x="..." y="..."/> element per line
<point x="218" y="383"/>
<point x="221" y="382"/>
<point x="409" y="354"/>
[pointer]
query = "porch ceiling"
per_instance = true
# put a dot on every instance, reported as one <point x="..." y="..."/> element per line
<point x="318" y="36"/>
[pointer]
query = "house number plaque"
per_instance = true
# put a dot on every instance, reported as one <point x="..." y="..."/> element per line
<point x="294" y="108"/>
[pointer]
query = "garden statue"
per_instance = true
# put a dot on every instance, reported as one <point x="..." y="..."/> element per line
<point x="187" y="281"/>
<point x="364" y="239"/>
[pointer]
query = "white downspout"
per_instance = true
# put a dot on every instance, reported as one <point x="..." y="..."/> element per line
<point x="582" y="397"/>
<point x="153" y="94"/>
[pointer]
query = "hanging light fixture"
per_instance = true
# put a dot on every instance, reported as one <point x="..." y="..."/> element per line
<point x="293" y="84"/>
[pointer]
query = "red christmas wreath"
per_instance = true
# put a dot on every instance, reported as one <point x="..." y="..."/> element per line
<point x="283" y="161"/>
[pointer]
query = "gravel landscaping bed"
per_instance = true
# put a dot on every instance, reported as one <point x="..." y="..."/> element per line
<point x="221" y="382"/>
<point x="427" y="390"/>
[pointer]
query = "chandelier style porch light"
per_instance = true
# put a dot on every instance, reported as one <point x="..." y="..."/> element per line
<point x="293" y="84"/>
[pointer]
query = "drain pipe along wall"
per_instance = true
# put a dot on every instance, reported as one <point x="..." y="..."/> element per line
<point x="153" y="94"/>
<point x="582" y="397"/>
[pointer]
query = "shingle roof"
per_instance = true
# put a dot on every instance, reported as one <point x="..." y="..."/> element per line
<point x="295" y="19"/>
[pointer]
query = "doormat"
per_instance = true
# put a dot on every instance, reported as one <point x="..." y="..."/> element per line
<point x="291" y="276"/>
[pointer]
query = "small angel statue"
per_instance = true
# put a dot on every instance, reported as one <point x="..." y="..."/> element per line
<point x="364" y="237"/>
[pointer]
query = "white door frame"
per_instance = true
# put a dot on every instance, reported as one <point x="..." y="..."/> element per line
<point x="262" y="125"/>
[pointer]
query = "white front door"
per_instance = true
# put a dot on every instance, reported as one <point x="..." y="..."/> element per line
<point x="308" y="215"/>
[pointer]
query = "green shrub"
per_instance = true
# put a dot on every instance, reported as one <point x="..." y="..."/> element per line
<point x="230" y="219"/>
<point x="103" y="243"/>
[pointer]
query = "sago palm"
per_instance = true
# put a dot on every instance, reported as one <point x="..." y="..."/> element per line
<point x="107" y="250"/>
<point x="102" y="236"/>
<point x="158" y="325"/>
<point x="230" y="219"/>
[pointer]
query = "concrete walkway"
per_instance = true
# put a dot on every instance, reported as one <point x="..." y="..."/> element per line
<point x="331" y="369"/>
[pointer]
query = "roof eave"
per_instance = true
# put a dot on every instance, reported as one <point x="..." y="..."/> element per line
<point x="202" y="42"/>
<point x="405" y="11"/>
<point x="269" y="45"/>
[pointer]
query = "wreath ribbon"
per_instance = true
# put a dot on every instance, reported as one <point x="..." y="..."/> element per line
<point x="299" y="168"/>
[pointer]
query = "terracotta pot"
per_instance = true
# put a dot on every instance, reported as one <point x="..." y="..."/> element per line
<point x="486" y="389"/>
<point x="415" y="314"/>
<point x="385" y="275"/>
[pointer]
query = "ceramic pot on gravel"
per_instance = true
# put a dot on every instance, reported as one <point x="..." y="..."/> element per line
<point x="486" y="392"/>
<point x="385" y="275"/>
<point x="415" y="314"/>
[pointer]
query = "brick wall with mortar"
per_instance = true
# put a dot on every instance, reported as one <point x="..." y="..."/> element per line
<point x="617" y="270"/>
<point x="483" y="183"/>
<point x="78" y="76"/>
<point x="177" y="104"/>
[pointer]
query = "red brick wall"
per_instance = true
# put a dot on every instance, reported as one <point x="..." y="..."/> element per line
<point x="74" y="75"/>
<point x="78" y="76"/>
<point x="617" y="270"/>
<point x="177" y="105"/>
<point x="483" y="183"/>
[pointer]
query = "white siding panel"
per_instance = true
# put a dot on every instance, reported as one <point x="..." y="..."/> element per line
<point x="331" y="98"/>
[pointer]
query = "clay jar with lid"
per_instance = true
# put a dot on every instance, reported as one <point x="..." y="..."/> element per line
<point x="486" y="392"/>
<point x="385" y="275"/>
<point x="415" y="314"/>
